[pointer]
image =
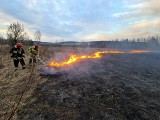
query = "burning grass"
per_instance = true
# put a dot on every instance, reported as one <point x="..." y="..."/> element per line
<point x="98" y="54"/>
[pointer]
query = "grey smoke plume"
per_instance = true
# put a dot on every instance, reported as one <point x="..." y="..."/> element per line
<point x="81" y="69"/>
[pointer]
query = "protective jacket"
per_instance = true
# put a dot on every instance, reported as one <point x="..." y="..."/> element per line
<point x="33" y="52"/>
<point x="17" y="53"/>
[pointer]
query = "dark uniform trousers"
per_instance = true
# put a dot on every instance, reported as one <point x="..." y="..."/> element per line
<point x="16" y="62"/>
<point x="32" y="60"/>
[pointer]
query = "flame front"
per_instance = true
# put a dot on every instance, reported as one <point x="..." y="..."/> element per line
<point x="75" y="58"/>
<point x="96" y="55"/>
<point x="140" y="51"/>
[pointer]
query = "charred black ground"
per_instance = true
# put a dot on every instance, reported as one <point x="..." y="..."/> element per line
<point x="115" y="87"/>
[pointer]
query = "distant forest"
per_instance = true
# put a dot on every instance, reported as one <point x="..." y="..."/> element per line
<point x="143" y="43"/>
<point x="151" y="42"/>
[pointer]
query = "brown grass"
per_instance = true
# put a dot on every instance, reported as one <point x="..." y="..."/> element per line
<point x="13" y="83"/>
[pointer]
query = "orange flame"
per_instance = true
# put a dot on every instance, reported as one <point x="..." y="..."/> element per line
<point x="96" y="55"/>
<point x="139" y="51"/>
<point x="75" y="58"/>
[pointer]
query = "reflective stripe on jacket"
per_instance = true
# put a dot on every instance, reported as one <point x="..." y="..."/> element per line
<point x="17" y="53"/>
<point x="33" y="52"/>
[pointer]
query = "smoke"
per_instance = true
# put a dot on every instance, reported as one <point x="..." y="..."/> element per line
<point x="81" y="69"/>
<point x="48" y="71"/>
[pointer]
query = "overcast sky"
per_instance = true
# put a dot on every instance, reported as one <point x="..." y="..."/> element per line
<point x="83" y="20"/>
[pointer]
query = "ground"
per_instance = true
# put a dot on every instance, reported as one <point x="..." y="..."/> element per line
<point x="116" y="87"/>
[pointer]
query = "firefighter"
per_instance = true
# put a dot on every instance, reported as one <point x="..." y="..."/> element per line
<point x="17" y="54"/>
<point x="34" y="54"/>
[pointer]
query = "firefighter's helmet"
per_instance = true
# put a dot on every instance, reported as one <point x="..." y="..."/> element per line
<point x="36" y="46"/>
<point x="19" y="45"/>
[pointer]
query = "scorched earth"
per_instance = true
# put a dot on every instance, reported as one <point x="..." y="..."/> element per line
<point x="115" y="87"/>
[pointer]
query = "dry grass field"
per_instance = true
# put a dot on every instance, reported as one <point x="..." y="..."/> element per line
<point x="116" y="87"/>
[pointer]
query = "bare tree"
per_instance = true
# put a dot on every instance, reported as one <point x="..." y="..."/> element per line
<point x="27" y="40"/>
<point x="37" y="36"/>
<point x="1" y="39"/>
<point x="15" y="32"/>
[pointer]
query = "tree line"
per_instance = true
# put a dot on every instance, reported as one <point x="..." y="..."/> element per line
<point x="151" y="42"/>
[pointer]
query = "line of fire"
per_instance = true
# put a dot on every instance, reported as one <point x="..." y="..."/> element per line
<point x="96" y="55"/>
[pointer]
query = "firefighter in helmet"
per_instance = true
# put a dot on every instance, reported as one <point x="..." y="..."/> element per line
<point x="17" y="54"/>
<point x="34" y="54"/>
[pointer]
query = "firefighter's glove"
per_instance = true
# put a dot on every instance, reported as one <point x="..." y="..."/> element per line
<point x="23" y="56"/>
<point x="11" y="56"/>
<point x="37" y="56"/>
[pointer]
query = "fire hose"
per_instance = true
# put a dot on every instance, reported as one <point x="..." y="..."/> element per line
<point x="41" y="60"/>
<point x="16" y="105"/>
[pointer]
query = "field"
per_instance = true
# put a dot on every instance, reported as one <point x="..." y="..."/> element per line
<point x="116" y="87"/>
